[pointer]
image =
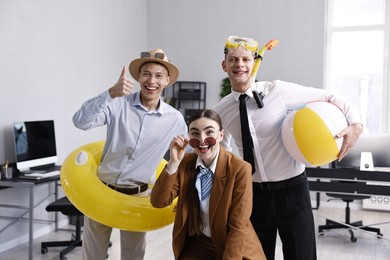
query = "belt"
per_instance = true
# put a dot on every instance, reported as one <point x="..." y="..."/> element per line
<point x="129" y="189"/>
<point x="277" y="185"/>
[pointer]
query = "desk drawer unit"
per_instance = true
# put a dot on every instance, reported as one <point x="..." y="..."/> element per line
<point x="377" y="202"/>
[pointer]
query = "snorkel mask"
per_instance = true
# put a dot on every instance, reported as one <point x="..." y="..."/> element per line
<point x="233" y="42"/>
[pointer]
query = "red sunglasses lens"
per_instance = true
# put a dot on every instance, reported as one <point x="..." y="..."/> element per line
<point x="194" y="143"/>
<point x="210" y="141"/>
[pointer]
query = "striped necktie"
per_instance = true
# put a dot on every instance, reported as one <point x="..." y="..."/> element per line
<point x="204" y="181"/>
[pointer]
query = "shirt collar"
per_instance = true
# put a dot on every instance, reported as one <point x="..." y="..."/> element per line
<point x="248" y="92"/>
<point x="137" y="102"/>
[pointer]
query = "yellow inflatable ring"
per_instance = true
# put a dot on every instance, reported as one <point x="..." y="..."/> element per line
<point x="104" y="205"/>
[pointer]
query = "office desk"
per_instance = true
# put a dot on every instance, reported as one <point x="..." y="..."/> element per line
<point x="18" y="183"/>
<point x="356" y="182"/>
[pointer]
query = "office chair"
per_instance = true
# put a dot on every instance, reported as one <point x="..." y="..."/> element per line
<point x="65" y="207"/>
<point x="330" y="224"/>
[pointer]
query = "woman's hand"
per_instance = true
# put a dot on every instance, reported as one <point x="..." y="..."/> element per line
<point x="177" y="150"/>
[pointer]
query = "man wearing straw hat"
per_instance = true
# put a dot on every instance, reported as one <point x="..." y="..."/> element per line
<point x="135" y="142"/>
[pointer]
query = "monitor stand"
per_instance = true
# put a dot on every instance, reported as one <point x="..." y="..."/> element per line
<point x="40" y="168"/>
<point x="366" y="161"/>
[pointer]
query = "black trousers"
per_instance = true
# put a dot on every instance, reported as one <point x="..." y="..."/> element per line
<point x="286" y="211"/>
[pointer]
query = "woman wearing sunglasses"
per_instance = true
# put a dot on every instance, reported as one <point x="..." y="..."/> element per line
<point x="215" y="195"/>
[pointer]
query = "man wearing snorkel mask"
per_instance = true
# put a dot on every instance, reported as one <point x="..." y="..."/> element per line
<point x="281" y="199"/>
<point x="214" y="193"/>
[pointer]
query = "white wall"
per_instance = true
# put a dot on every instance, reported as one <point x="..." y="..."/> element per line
<point x="54" y="55"/>
<point x="194" y="33"/>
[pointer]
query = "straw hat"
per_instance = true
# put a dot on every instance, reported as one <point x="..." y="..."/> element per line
<point x="156" y="55"/>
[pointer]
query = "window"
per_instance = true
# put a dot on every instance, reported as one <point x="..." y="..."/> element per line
<point x="357" y="57"/>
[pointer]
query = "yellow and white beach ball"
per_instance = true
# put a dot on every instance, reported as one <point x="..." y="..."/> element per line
<point x="309" y="133"/>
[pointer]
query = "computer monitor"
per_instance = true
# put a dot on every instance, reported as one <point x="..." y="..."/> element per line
<point x="377" y="144"/>
<point x="35" y="145"/>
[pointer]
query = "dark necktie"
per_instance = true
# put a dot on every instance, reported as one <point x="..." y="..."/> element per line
<point x="247" y="142"/>
<point x="204" y="181"/>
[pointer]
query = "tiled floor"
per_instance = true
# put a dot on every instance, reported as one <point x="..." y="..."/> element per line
<point x="335" y="244"/>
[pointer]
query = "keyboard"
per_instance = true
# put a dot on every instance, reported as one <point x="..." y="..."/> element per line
<point x="39" y="175"/>
<point x="382" y="169"/>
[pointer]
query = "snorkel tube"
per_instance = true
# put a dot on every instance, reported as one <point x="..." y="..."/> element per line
<point x="260" y="53"/>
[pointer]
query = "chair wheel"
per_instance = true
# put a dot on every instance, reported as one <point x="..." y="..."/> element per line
<point x="44" y="250"/>
<point x="63" y="258"/>
<point x="353" y="239"/>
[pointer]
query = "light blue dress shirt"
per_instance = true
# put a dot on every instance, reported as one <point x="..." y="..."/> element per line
<point x="137" y="139"/>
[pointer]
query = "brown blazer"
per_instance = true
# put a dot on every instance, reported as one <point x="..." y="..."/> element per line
<point x="230" y="206"/>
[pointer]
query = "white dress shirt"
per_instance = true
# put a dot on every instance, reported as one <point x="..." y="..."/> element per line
<point x="205" y="204"/>
<point x="137" y="139"/>
<point x="272" y="161"/>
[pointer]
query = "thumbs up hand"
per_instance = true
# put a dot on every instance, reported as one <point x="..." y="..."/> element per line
<point x="123" y="87"/>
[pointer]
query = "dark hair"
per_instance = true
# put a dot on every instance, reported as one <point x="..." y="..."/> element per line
<point x="207" y="113"/>
<point x="195" y="222"/>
